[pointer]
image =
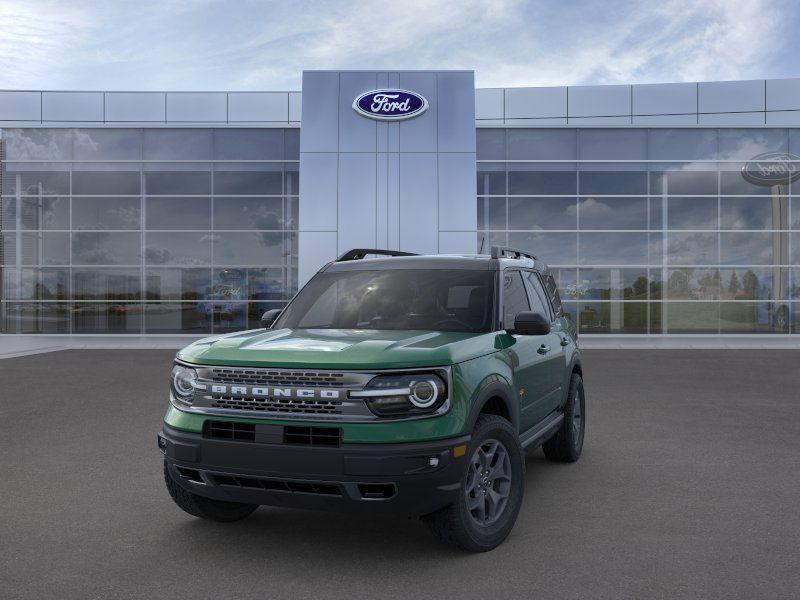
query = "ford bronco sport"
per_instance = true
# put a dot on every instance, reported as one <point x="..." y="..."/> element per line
<point x="404" y="384"/>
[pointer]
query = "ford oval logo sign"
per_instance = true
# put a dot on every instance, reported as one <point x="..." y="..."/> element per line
<point x="772" y="168"/>
<point x="390" y="105"/>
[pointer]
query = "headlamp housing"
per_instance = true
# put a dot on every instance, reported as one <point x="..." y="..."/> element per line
<point x="404" y="394"/>
<point x="183" y="383"/>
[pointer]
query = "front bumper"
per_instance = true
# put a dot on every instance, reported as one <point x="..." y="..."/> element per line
<point x="409" y="478"/>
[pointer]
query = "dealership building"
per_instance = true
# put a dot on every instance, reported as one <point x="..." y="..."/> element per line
<point x="663" y="209"/>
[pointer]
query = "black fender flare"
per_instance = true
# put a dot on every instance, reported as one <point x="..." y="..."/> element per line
<point x="575" y="362"/>
<point x="494" y="387"/>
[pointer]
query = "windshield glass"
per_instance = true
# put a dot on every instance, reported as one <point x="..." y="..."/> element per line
<point x="436" y="300"/>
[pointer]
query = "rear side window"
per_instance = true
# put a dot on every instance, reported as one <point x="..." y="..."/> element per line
<point x="515" y="298"/>
<point x="539" y="301"/>
<point x="552" y="291"/>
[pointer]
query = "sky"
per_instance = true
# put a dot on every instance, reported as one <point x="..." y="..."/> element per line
<point x="265" y="45"/>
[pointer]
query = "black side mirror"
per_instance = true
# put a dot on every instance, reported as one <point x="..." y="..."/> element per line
<point x="268" y="318"/>
<point x="531" y="323"/>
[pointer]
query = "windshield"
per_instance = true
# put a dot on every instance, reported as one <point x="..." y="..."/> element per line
<point x="436" y="300"/>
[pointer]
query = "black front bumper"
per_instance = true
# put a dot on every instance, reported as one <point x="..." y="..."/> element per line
<point x="411" y="478"/>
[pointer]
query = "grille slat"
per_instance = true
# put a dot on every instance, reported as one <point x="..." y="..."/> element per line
<point x="282" y="405"/>
<point x="277" y="378"/>
<point x="318" y="488"/>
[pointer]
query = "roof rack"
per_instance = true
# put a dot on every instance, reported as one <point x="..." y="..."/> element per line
<point x="506" y="252"/>
<point x="359" y="253"/>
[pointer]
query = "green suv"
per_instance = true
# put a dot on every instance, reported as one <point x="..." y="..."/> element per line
<point x="397" y="384"/>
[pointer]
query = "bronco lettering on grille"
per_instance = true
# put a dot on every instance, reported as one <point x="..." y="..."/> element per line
<point x="274" y="392"/>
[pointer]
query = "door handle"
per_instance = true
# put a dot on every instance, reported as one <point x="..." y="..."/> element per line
<point x="543" y="349"/>
<point x="564" y="341"/>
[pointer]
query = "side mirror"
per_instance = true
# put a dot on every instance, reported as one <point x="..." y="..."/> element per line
<point x="268" y="318"/>
<point x="531" y="323"/>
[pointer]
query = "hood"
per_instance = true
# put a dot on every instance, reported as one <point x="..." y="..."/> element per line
<point x="339" y="348"/>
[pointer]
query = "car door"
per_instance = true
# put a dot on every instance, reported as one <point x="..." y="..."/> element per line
<point x="552" y="350"/>
<point x="529" y="365"/>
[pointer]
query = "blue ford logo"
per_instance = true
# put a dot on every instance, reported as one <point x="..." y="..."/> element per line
<point x="772" y="168"/>
<point x="390" y="105"/>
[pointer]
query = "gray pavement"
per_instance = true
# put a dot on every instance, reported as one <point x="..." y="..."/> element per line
<point x="688" y="488"/>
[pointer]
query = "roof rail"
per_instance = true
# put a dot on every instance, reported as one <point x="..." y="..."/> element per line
<point x="359" y="253"/>
<point x="506" y="252"/>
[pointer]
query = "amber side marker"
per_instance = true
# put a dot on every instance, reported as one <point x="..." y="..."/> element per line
<point x="460" y="450"/>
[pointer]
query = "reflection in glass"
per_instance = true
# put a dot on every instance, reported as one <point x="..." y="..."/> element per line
<point x="178" y="183"/>
<point x="612" y="213"/>
<point x="750" y="317"/>
<point x="37" y="284"/>
<point x="107" y="317"/>
<point x="250" y="182"/>
<point x="46" y="248"/>
<point x="541" y="213"/>
<point x="750" y="248"/>
<point x="612" y="144"/>
<point x="252" y="248"/>
<point x="249" y="213"/>
<point x="612" y="317"/>
<point x="613" y="182"/>
<point x="553" y="248"/>
<point x="755" y="283"/>
<point x="676" y="181"/>
<point x="173" y="212"/>
<point x="178" y="248"/>
<point x="176" y="317"/>
<point x="177" y="284"/>
<point x="682" y="144"/>
<point x="541" y="144"/>
<point x="44" y="212"/>
<point x="36" y="183"/>
<point x="248" y="144"/>
<point x="104" y="248"/>
<point x="692" y="248"/>
<point x="613" y="248"/>
<point x="690" y="317"/>
<point x="106" y="213"/>
<point x="613" y="284"/>
<point x="692" y="213"/>
<point x="117" y="183"/>
<point x="106" y="284"/>
<point x="523" y="182"/>
<point x="491" y="180"/>
<point x="491" y="144"/>
<point x="36" y="317"/>
<point x="754" y="213"/>
<point x="229" y="316"/>
<point x="693" y="284"/>
<point x="107" y="144"/>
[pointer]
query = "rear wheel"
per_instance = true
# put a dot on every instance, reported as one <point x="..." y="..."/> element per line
<point x="492" y="488"/>
<point x="205" y="508"/>
<point x="567" y="443"/>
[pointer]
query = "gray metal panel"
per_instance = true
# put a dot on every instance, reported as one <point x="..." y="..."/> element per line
<point x="320" y="130"/>
<point x="664" y="120"/>
<point x="536" y="103"/>
<point x="599" y="100"/>
<point x="457" y="192"/>
<point x="258" y="106"/>
<point x="458" y="242"/>
<point x="419" y="230"/>
<point x="72" y="106"/>
<point x="319" y="248"/>
<point x="133" y="107"/>
<point x="295" y="101"/>
<point x="20" y="106"/>
<point x="784" y="118"/>
<point x="664" y="98"/>
<point x="197" y="107"/>
<point x="730" y="96"/>
<point x="783" y="94"/>
<point x="318" y="185"/>
<point x="381" y="198"/>
<point x="357" y="210"/>
<point x="538" y="122"/>
<point x="493" y="122"/>
<point x="732" y="119"/>
<point x="356" y="133"/>
<point x="393" y="199"/>
<point x="489" y="103"/>
<point x="418" y="134"/>
<point x="601" y="121"/>
<point x="456" y="118"/>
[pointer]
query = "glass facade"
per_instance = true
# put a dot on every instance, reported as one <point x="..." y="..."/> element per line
<point x="650" y="230"/>
<point x="146" y="230"/>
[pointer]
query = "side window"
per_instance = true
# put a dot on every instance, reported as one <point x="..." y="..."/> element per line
<point x="538" y="299"/>
<point x="515" y="298"/>
<point x="555" y="298"/>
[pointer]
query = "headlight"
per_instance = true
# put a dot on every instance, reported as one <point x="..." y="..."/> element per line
<point x="407" y="394"/>
<point x="183" y="380"/>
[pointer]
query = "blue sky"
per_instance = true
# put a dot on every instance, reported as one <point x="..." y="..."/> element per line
<point x="253" y="45"/>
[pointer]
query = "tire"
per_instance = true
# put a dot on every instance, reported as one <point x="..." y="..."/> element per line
<point x="457" y="524"/>
<point x="205" y="508"/>
<point x="567" y="443"/>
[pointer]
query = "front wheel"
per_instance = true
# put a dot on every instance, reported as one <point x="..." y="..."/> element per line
<point x="492" y="488"/>
<point x="567" y="443"/>
<point x="205" y="508"/>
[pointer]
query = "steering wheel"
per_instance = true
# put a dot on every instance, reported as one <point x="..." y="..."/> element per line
<point x="452" y="320"/>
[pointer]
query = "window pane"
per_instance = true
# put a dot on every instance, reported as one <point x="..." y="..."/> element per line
<point x="118" y="183"/>
<point x="107" y="318"/>
<point x="107" y="144"/>
<point x="105" y="213"/>
<point x="253" y="248"/>
<point x="553" y="248"/>
<point x="749" y="317"/>
<point x="754" y="213"/>
<point x="692" y="248"/>
<point x="492" y="213"/>
<point x="490" y="144"/>
<point x="542" y="213"/>
<point x="250" y="183"/>
<point x="248" y="213"/>
<point x="229" y="316"/>
<point x="38" y="144"/>
<point x="691" y="317"/>
<point x="45" y="248"/>
<point x="491" y="179"/>
<point x="613" y="182"/>
<point x="541" y="144"/>
<point x="692" y="213"/>
<point x="178" y="183"/>
<point x="612" y="213"/>
<point x="105" y="248"/>
<point x="174" y="212"/>
<point x="44" y="212"/>
<point x="176" y="317"/>
<point x="268" y="284"/>
<point x="682" y="144"/>
<point x="529" y="182"/>
<point x="248" y="144"/>
<point x="613" y="284"/>
<point x="693" y="284"/>
<point x="106" y="284"/>
<point x="749" y="248"/>
<point x="733" y="182"/>
<point x="515" y="298"/>
<point x="291" y="142"/>
<point x="36" y="183"/>
<point x="746" y="144"/>
<point x="178" y="144"/>
<point x="34" y="317"/>
<point x="608" y="144"/>
<point x="177" y="284"/>
<point x="36" y="284"/>
<point x="613" y="248"/>
<point x="613" y="317"/>
<point x="8" y="214"/>
<point x="291" y="179"/>
<point x="684" y="183"/>
<point x="178" y="248"/>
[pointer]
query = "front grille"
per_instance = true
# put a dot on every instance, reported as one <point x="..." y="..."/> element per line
<point x="312" y="436"/>
<point x="279" y="405"/>
<point x="229" y="430"/>
<point x="279" y="485"/>
<point x="268" y="377"/>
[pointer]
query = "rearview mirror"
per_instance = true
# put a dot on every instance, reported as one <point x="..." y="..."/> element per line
<point x="268" y="318"/>
<point x="531" y="323"/>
